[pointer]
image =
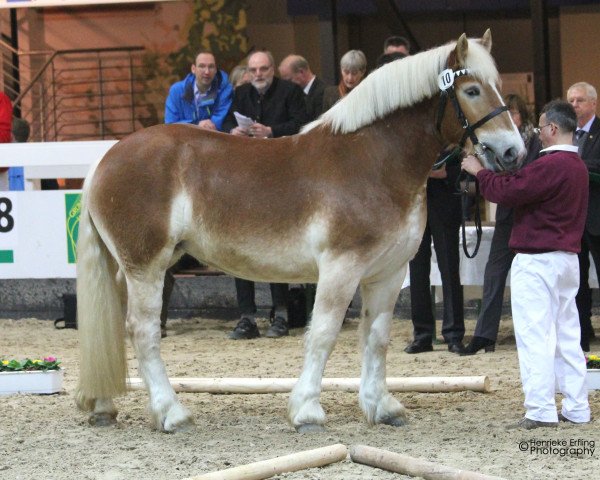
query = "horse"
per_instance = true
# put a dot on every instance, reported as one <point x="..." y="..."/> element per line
<point x="341" y="204"/>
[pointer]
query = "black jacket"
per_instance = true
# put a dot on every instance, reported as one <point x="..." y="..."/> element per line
<point x="314" y="99"/>
<point x="590" y="153"/>
<point x="282" y="107"/>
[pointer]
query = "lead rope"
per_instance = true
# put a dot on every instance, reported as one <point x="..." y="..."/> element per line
<point x="464" y="197"/>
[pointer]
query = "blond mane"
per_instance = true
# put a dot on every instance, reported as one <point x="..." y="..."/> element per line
<point x="399" y="84"/>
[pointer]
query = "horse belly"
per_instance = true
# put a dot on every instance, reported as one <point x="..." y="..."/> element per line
<point x="285" y="261"/>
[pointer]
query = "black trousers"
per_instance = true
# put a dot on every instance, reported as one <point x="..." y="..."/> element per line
<point x="245" y="297"/>
<point x="589" y="244"/>
<point x="446" y="244"/>
<point x="494" y="282"/>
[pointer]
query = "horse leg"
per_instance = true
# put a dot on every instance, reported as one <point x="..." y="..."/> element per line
<point x="378" y="301"/>
<point x="334" y="293"/>
<point x="143" y="326"/>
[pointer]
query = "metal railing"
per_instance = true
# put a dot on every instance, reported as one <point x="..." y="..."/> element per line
<point x="85" y="94"/>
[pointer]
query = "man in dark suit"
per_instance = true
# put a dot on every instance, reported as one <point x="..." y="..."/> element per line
<point x="296" y="69"/>
<point x="444" y="214"/>
<point x="277" y="108"/>
<point x="583" y="97"/>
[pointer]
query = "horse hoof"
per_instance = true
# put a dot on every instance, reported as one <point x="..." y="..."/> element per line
<point x="395" y="421"/>
<point x="310" y="428"/>
<point x="180" y="428"/>
<point x="102" y="419"/>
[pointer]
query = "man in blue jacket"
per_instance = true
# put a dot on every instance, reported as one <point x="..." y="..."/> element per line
<point x="203" y="97"/>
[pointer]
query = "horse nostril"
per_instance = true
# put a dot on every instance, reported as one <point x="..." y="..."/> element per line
<point x="510" y="155"/>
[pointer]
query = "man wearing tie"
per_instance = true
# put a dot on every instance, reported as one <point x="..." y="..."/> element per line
<point x="583" y="97"/>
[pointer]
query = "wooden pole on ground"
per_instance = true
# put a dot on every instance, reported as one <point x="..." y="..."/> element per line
<point x="283" y="385"/>
<point x="318" y="457"/>
<point x="414" y="467"/>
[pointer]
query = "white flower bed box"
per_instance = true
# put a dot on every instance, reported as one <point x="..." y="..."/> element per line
<point x="593" y="378"/>
<point x="49" y="381"/>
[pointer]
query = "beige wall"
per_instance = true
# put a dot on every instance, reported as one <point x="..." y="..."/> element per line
<point x="579" y="27"/>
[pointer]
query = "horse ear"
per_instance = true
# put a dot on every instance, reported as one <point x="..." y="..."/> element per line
<point x="462" y="46"/>
<point x="486" y="40"/>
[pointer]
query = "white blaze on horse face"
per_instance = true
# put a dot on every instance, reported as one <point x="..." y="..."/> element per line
<point x="514" y="136"/>
<point x="504" y="147"/>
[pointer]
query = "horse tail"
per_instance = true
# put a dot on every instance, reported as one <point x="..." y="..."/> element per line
<point x="100" y="315"/>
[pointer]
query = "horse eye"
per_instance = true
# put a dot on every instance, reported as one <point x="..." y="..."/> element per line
<point x="472" y="91"/>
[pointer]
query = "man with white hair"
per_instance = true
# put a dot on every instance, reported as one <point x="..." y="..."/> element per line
<point x="277" y="109"/>
<point x="296" y="69"/>
<point x="583" y="97"/>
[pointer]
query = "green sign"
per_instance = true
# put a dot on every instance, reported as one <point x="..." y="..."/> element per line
<point x="73" y="207"/>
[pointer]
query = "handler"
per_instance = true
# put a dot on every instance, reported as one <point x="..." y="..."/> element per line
<point x="549" y="197"/>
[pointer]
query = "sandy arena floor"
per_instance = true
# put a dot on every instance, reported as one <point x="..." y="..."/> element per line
<point x="46" y="437"/>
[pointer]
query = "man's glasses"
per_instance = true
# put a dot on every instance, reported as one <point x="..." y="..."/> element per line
<point x="537" y="130"/>
<point x="262" y="69"/>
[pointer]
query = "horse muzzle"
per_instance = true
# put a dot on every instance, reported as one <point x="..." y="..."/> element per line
<point x="506" y="159"/>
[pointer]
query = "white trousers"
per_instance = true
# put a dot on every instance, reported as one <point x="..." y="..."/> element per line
<point x="546" y="323"/>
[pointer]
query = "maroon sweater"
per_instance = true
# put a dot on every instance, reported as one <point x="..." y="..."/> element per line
<point x="549" y="197"/>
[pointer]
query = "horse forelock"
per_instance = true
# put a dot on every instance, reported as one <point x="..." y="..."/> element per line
<point x="401" y="84"/>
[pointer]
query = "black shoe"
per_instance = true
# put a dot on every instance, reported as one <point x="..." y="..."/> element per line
<point x="278" y="328"/>
<point x="246" y="329"/>
<point x="562" y="418"/>
<point x="528" y="424"/>
<point x="418" y="347"/>
<point x="456" y="347"/>
<point x="477" y="343"/>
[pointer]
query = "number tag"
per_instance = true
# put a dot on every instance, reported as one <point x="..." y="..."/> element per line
<point x="446" y="79"/>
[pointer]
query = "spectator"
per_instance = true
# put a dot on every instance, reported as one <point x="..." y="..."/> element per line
<point x="277" y="108"/>
<point x="239" y="75"/>
<point x="203" y="97"/>
<point x="583" y="97"/>
<point x="296" y="69"/>
<point x="6" y="112"/>
<point x="396" y="43"/>
<point x="501" y="256"/>
<point x="443" y="223"/>
<point x="549" y="197"/>
<point x="353" y="66"/>
<point x="389" y="57"/>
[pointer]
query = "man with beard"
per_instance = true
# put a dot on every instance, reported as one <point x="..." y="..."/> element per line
<point x="277" y="108"/>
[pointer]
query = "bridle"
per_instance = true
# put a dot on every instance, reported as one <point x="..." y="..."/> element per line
<point x="446" y="84"/>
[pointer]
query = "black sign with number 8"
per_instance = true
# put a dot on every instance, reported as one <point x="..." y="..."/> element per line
<point x="7" y="222"/>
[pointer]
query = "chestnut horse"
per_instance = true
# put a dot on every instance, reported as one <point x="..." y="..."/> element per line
<point x="341" y="204"/>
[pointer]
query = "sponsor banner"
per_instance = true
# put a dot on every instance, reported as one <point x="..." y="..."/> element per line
<point x="73" y="207"/>
<point x="66" y="3"/>
<point x="38" y="233"/>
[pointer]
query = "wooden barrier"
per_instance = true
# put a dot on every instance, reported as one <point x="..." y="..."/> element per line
<point x="283" y="385"/>
<point x="415" y="467"/>
<point x="318" y="457"/>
